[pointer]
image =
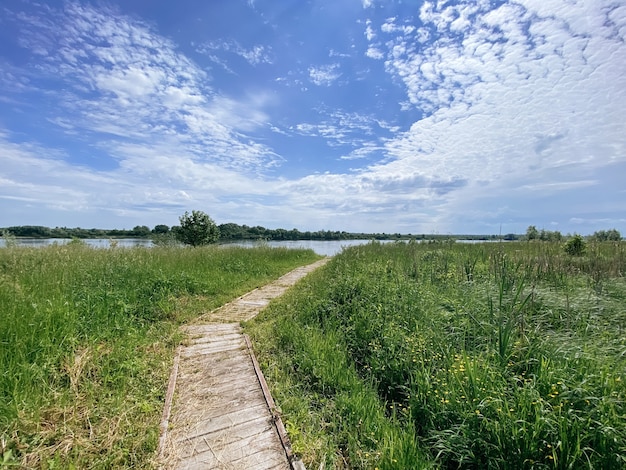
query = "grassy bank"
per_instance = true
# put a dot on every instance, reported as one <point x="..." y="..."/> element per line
<point x="453" y="356"/>
<point x="87" y="337"/>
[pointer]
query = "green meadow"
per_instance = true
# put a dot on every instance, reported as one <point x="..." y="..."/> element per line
<point x="449" y="355"/>
<point x="87" y="338"/>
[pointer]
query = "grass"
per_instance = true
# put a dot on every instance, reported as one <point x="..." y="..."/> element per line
<point x="487" y="355"/>
<point x="87" y="339"/>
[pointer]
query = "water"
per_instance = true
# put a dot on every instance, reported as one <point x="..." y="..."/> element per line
<point x="321" y="247"/>
<point x="93" y="242"/>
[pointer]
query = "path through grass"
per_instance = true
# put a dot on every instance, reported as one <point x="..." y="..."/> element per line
<point x="87" y="338"/>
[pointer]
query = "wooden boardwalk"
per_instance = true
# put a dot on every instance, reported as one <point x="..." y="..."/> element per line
<point x="222" y="416"/>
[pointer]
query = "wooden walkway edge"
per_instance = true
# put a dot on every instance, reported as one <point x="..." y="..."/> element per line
<point x="218" y="411"/>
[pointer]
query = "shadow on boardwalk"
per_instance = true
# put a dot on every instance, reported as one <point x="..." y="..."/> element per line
<point x="222" y="416"/>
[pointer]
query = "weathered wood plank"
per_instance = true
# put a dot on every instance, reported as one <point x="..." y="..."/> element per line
<point x="201" y="330"/>
<point x="210" y="348"/>
<point x="253" y="449"/>
<point x="222" y="371"/>
<point x="232" y="434"/>
<point x="209" y="337"/>
<point x="219" y="423"/>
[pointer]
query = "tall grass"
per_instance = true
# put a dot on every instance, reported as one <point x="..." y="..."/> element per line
<point x="478" y="356"/>
<point x="87" y="337"/>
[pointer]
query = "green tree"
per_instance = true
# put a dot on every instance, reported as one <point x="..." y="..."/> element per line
<point x="161" y="229"/>
<point x="613" y="235"/>
<point x="197" y="229"/>
<point x="532" y="233"/>
<point x="575" y="246"/>
<point x="607" y="235"/>
<point x="141" y="231"/>
<point x="231" y="231"/>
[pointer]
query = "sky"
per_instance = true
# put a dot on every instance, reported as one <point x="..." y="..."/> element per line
<point x="461" y="117"/>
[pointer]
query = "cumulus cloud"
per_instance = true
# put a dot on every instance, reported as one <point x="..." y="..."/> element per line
<point x="374" y="53"/>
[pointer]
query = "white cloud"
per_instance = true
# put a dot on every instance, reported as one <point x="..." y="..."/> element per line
<point x="161" y="177"/>
<point x="363" y="151"/>
<point x="390" y="27"/>
<point x="340" y="128"/>
<point x="334" y="53"/>
<point x="324" y="75"/>
<point x="521" y="98"/>
<point x="166" y="139"/>
<point x="374" y="53"/>
<point x="369" y="31"/>
<point x="257" y="54"/>
<point x="123" y="80"/>
<point x="519" y="106"/>
<point x="491" y="79"/>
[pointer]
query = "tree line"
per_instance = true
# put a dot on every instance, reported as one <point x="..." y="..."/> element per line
<point x="228" y="232"/>
<point x="532" y="233"/>
<point x="38" y="231"/>
<point x="234" y="232"/>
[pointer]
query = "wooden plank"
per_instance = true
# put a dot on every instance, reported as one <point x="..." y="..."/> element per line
<point x="204" y="349"/>
<point x="214" y="346"/>
<point x="164" y="426"/>
<point x="254" y="303"/>
<point x="208" y="367"/>
<point x="235" y="433"/>
<point x="251" y="449"/>
<point x="235" y="402"/>
<point x="263" y="460"/>
<point x="266" y="459"/>
<point x="224" y="421"/>
<point x="214" y="338"/>
<point x="211" y="327"/>
<point x="234" y="385"/>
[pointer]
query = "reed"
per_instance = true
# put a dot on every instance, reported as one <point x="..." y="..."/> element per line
<point x="490" y="355"/>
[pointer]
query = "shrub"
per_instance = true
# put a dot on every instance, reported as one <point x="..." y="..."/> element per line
<point x="575" y="246"/>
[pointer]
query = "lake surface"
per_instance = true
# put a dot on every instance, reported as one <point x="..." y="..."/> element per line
<point x="321" y="247"/>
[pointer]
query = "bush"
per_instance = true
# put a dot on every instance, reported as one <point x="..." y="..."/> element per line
<point x="575" y="246"/>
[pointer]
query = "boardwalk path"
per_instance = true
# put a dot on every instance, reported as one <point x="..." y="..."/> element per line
<point x="221" y="418"/>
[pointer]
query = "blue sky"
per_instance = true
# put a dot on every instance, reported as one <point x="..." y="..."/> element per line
<point x="359" y="115"/>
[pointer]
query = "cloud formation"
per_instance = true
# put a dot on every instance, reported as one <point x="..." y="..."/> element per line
<point x="124" y="81"/>
<point x="257" y="54"/>
<point x="324" y="75"/>
<point x="455" y="116"/>
<point x="519" y="93"/>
